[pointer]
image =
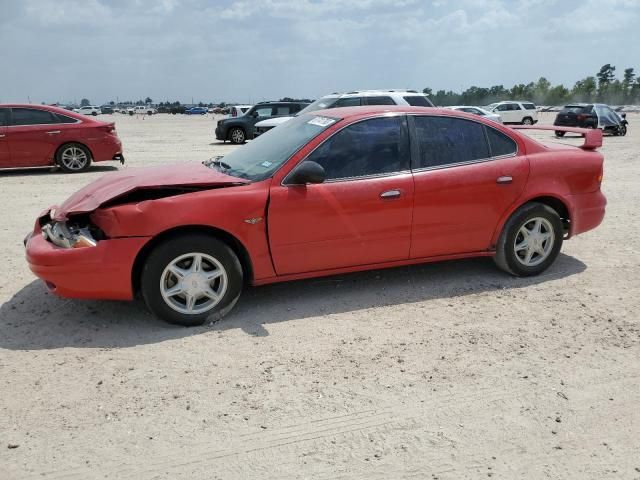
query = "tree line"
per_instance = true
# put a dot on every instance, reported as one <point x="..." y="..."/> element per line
<point x="604" y="87"/>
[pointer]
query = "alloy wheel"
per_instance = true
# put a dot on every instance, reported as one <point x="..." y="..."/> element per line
<point x="534" y="241"/>
<point x="74" y="158"/>
<point x="193" y="283"/>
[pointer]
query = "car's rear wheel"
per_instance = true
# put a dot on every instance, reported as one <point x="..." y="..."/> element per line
<point x="527" y="121"/>
<point x="530" y="240"/>
<point x="237" y="136"/>
<point x="73" y="158"/>
<point x="189" y="279"/>
<point x="559" y="133"/>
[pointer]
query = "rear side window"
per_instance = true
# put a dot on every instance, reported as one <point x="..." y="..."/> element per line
<point x="263" y="111"/>
<point x="418" y="101"/>
<point x="4" y="117"/>
<point x="500" y="143"/>
<point x="513" y="106"/>
<point x="65" y="119"/>
<point x="529" y="106"/>
<point x="447" y="141"/>
<point x="382" y="100"/>
<point x="347" y="102"/>
<point x="283" y="110"/>
<point x="372" y="147"/>
<point x="31" y="116"/>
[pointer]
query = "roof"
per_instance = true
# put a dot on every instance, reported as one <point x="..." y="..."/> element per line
<point x="50" y="108"/>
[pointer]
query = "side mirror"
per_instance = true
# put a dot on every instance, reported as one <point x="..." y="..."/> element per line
<point x="307" y="172"/>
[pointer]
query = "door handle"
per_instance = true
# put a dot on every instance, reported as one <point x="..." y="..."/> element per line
<point x="504" y="180"/>
<point x="390" y="194"/>
<point x="53" y="132"/>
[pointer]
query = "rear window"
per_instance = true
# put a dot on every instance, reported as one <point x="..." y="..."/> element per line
<point x="500" y="143"/>
<point x="529" y="106"/>
<point x="418" y="101"/>
<point x="576" y="109"/>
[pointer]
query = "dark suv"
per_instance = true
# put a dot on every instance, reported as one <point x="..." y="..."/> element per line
<point x="240" y="129"/>
<point x="591" y="115"/>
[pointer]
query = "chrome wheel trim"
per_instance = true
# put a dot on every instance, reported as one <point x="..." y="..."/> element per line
<point x="237" y="136"/>
<point x="74" y="158"/>
<point x="193" y="283"/>
<point x="534" y="241"/>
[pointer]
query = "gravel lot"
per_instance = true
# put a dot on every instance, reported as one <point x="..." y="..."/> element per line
<point x="448" y="371"/>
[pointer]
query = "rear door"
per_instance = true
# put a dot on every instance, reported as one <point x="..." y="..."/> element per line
<point x="466" y="176"/>
<point x="360" y="215"/>
<point x="5" y="159"/>
<point x="33" y="135"/>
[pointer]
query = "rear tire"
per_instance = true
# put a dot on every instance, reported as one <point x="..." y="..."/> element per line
<point x="73" y="158"/>
<point x="530" y="240"/>
<point x="560" y="134"/>
<point x="182" y="290"/>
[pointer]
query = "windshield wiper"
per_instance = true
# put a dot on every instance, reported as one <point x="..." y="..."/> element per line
<point x="216" y="162"/>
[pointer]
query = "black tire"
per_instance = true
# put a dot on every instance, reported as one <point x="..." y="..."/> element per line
<point x="527" y="121"/>
<point x="559" y="133"/>
<point x="506" y="257"/>
<point x="622" y="131"/>
<point x="171" y="249"/>
<point x="95" y="114"/>
<point x="237" y="136"/>
<point x="67" y="166"/>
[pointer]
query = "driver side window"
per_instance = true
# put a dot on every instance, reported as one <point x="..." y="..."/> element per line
<point x="372" y="147"/>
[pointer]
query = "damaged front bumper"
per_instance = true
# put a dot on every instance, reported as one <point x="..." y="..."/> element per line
<point x="56" y="253"/>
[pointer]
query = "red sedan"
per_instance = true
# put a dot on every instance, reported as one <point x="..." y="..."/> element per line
<point x="339" y="191"/>
<point x="40" y="136"/>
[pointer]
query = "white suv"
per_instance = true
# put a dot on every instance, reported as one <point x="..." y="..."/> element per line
<point x="524" y="113"/>
<point x="353" y="99"/>
<point x="88" y="110"/>
<point x="142" y="110"/>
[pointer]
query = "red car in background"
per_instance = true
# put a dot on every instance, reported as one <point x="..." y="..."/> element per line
<point x="327" y="192"/>
<point x="40" y="136"/>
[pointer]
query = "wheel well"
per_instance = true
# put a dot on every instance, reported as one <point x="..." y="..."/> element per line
<point x="558" y="206"/>
<point x="235" y="245"/>
<point x="55" y="155"/>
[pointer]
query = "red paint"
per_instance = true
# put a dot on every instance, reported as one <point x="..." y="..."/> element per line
<point x="33" y="146"/>
<point x="322" y="229"/>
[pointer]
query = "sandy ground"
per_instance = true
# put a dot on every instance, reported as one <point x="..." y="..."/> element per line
<point x="446" y="371"/>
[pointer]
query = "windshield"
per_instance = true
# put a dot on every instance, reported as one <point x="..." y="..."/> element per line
<point x="261" y="157"/>
<point x="320" y="104"/>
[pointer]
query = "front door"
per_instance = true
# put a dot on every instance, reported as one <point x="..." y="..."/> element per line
<point x="360" y="215"/>
<point x="32" y="136"/>
<point x="467" y="175"/>
<point x="5" y="159"/>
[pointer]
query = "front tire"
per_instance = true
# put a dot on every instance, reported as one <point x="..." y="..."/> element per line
<point x="192" y="278"/>
<point x="73" y="158"/>
<point x="237" y="136"/>
<point x="560" y="134"/>
<point x="527" y="121"/>
<point x="622" y="131"/>
<point x="530" y="240"/>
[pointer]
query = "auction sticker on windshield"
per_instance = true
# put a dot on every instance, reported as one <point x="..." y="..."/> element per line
<point x="322" y="121"/>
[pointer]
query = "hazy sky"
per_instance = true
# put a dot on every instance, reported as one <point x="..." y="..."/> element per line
<point x="61" y="50"/>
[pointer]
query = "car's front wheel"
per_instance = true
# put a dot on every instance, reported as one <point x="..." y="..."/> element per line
<point x="560" y="133"/>
<point x="189" y="279"/>
<point x="237" y="136"/>
<point x="530" y="240"/>
<point x="622" y="130"/>
<point x="73" y="158"/>
<point x="527" y="121"/>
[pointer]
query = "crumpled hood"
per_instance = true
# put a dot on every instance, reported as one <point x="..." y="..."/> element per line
<point x="113" y="185"/>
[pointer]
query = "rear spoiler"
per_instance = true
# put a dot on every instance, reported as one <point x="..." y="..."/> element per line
<point x="592" y="136"/>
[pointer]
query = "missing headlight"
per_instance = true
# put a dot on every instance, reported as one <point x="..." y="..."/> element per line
<point x="72" y="234"/>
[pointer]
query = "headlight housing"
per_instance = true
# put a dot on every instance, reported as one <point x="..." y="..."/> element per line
<point x="69" y="236"/>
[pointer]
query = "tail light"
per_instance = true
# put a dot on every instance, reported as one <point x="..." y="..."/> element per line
<point x="110" y="128"/>
<point x="234" y="112"/>
<point x="582" y="116"/>
<point x="601" y="175"/>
